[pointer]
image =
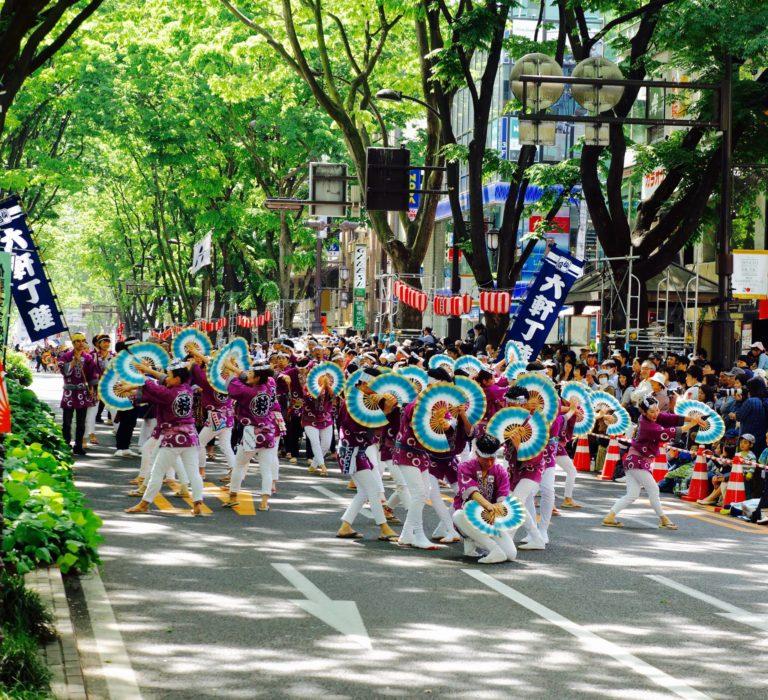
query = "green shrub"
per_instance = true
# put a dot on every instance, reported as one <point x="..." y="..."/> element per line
<point x="46" y="521"/>
<point x="17" y="367"/>
<point x="23" y="610"/>
<point x="33" y="421"/>
<point x="21" y="668"/>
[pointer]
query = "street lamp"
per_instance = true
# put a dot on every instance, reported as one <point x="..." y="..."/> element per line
<point x="321" y="227"/>
<point x="343" y="272"/>
<point x="492" y="239"/>
<point x="452" y="175"/>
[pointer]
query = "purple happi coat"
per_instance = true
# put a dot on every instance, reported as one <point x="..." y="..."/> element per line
<point x="408" y="451"/>
<point x="445" y="464"/>
<point x="494" y="486"/>
<point x="78" y="376"/>
<point x="174" y="412"/>
<point x="388" y="434"/>
<point x="531" y="469"/>
<point x="354" y="439"/>
<point x="566" y="434"/>
<point x="650" y="435"/>
<point x="256" y="406"/>
<point x="317" y="413"/>
<point x="212" y="401"/>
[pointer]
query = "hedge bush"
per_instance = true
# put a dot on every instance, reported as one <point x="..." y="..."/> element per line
<point x="46" y="520"/>
<point x="17" y="367"/>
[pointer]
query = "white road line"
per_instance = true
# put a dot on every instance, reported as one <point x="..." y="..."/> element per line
<point x="115" y="663"/>
<point x="342" y="615"/>
<point x="590" y="641"/>
<point x="759" y="622"/>
<point x="340" y="499"/>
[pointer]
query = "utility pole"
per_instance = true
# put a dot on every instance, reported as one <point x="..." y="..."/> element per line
<point x="724" y="325"/>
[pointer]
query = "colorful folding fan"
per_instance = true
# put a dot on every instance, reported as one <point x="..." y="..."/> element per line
<point x="535" y="430"/>
<point x="543" y="394"/>
<point x="430" y="419"/>
<point x="715" y="426"/>
<point x="191" y="340"/>
<point x="236" y="350"/>
<point x="148" y="353"/>
<point x="325" y="371"/>
<point x="107" y="391"/>
<point x="602" y="401"/>
<point x="416" y="375"/>
<point x="476" y="401"/>
<point x="441" y="360"/>
<point x="394" y="385"/>
<point x="469" y="364"/>
<point x="583" y="425"/>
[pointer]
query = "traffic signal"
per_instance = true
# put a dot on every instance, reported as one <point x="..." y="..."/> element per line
<point x="387" y="179"/>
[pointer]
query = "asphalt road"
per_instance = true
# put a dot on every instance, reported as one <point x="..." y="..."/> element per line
<point x="207" y="607"/>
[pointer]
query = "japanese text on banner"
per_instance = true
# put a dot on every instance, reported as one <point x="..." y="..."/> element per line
<point x="546" y="296"/>
<point x="31" y="289"/>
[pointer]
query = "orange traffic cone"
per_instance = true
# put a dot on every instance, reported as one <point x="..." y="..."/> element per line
<point x="581" y="458"/>
<point x="734" y="492"/>
<point x="659" y="466"/>
<point x="611" y="460"/>
<point x="699" y="486"/>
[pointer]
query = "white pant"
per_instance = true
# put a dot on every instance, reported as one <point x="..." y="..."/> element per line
<point x="268" y="461"/>
<point x="414" y="520"/>
<point x="320" y="442"/>
<point x="637" y="480"/>
<point x="90" y="420"/>
<point x="148" y="452"/>
<point x="182" y="458"/>
<point x="432" y="488"/>
<point x="566" y="464"/>
<point x="503" y="540"/>
<point x="223" y="441"/>
<point x="148" y="425"/>
<point x="367" y="490"/>
<point x="525" y="491"/>
<point x="547" y="501"/>
<point x="400" y="494"/>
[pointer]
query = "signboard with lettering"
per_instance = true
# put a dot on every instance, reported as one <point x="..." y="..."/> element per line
<point x="6" y="272"/>
<point x="31" y="288"/>
<point x="360" y="270"/>
<point x="358" y="315"/>
<point x="651" y="182"/>
<point x="750" y="274"/>
<point x="414" y="198"/>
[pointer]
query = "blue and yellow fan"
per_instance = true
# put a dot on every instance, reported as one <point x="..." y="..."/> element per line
<point x="149" y="353"/>
<point x="514" y="370"/>
<point x="364" y="408"/>
<point x="353" y="379"/>
<point x="602" y="401"/>
<point x="477" y="517"/>
<point x="513" y="516"/>
<point x="441" y="360"/>
<point x="469" y="364"/>
<point x="325" y="369"/>
<point x="430" y="419"/>
<point x="476" y="402"/>
<point x="237" y="350"/>
<point x="715" y="427"/>
<point x="107" y="391"/>
<point x="191" y="340"/>
<point x="535" y="430"/>
<point x="416" y="375"/>
<point x="395" y="385"/>
<point x="584" y="425"/>
<point x="543" y="394"/>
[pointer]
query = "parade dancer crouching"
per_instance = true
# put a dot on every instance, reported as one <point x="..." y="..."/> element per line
<point x="354" y="460"/>
<point x="256" y="408"/>
<point x="172" y="399"/>
<point x="654" y="427"/>
<point x="524" y="475"/>
<point x="486" y="481"/>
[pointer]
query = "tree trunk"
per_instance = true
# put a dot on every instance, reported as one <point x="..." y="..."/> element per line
<point x="496" y="325"/>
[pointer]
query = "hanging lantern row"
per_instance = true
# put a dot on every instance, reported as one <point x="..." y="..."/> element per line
<point x="410" y="296"/>
<point x="495" y="302"/>
<point x="254" y="321"/>
<point x="452" y="306"/>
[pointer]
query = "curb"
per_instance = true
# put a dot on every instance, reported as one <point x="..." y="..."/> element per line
<point x="61" y="655"/>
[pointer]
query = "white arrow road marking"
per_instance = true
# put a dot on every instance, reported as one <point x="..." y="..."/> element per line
<point x="759" y="622"/>
<point x="340" y="499"/>
<point x="342" y="615"/>
<point x="590" y="641"/>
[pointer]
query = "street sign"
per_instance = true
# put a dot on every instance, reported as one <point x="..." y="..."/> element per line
<point x="750" y="274"/>
<point x="360" y="267"/>
<point x="358" y="315"/>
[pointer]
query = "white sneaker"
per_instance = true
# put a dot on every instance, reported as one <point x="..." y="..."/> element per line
<point x="421" y="542"/>
<point x="545" y="537"/>
<point x="621" y="480"/>
<point x="534" y="544"/>
<point x="495" y="556"/>
<point x="121" y="453"/>
<point x="439" y="532"/>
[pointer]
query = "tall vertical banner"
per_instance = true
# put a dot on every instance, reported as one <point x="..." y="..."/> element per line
<point x="201" y="253"/>
<point x="546" y="296"/>
<point x="6" y="273"/>
<point x="31" y="288"/>
<point x="359" y="280"/>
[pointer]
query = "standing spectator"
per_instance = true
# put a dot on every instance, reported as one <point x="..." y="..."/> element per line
<point x="757" y="351"/>
<point x="693" y="378"/>
<point x="751" y="414"/>
<point x="481" y="338"/>
<point x="427" y="338"/>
